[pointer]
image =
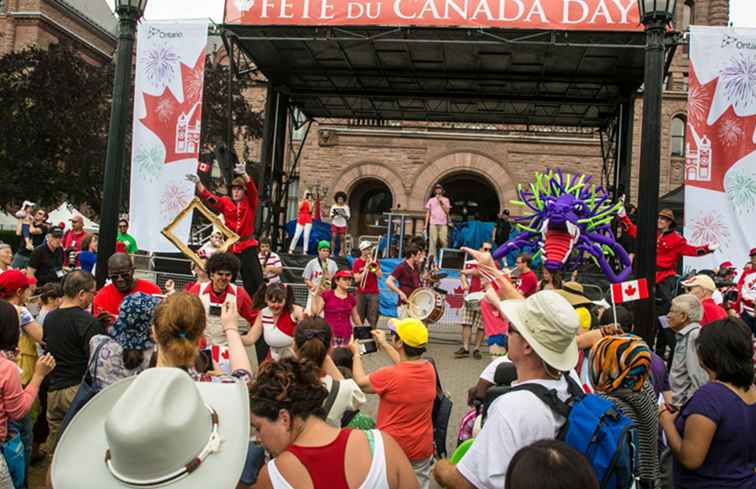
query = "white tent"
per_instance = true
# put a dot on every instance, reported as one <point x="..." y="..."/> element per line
<point x="65" y="211"/>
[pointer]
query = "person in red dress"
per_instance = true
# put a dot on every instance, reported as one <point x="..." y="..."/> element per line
<point x="239" y="214"/>
<point x="368" y="298"/>
<point x="122" y="283"/>
<point x="339" y="308"/>
<point x="305" y="212"/>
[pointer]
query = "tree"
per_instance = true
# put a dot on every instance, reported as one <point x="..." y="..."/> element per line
<point x="54" y="108"/>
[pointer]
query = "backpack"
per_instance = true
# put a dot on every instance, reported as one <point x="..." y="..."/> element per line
<point x="442" y="407"/>
<point x="594" y="427"/>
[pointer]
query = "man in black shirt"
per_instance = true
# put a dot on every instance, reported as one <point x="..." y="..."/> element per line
<point x="66" y="334"/>
<point x="46" y="262"/>
<point x="503" y="228"/>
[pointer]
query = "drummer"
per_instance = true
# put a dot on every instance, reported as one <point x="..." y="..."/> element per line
<point x="471" y="317"/>
<point x="405" y="278"/>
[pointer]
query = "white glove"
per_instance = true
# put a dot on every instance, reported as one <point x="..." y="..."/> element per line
<point x="622" y="212"/>
<point x="240" y="168"/>
<point x="714" y="247"/>
<point x="193" y="178"/>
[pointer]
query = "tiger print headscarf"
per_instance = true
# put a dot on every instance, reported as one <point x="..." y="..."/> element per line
<point x="620" y="362"/>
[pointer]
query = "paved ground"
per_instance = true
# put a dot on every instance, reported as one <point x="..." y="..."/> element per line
<point x="457" y="376"/>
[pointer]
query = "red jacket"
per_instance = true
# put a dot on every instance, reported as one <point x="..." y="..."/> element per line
<point x="239" y="217"/>
<point x="670" y="247"/>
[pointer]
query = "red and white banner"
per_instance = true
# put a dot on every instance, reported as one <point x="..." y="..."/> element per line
<point x="170" y="75"/>
<point x="720" y="145"/>
<point x="632" y="290"/>
<point x="591" y="15"/>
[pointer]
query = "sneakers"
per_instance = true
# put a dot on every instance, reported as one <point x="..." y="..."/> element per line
<point x="477" y="355"/>
<point x="461" y="353"/>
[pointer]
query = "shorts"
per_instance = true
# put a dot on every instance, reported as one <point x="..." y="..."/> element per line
<point x="472" y="317"/>
<point x="497" y="340"/>
<point x="338" y="229"/>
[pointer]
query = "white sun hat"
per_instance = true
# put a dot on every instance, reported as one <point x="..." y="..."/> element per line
<point x="158" y="429"/>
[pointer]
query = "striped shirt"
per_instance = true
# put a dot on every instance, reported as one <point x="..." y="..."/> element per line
<point x="271" y="260"/>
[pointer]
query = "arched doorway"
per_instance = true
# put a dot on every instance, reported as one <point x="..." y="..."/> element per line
<point x="473" y="197"/>
<point x="368" y="200"/>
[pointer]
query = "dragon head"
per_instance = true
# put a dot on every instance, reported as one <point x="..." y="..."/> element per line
<point x="560" y="229"/>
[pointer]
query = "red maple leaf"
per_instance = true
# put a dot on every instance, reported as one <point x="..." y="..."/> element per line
<point x="630" y="290"/>
<point x="456" y="298"/>
<point x="177" y="124"/>
<point x="723" y="155"/>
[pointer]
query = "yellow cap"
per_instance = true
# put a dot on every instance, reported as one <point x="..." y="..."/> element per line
<point x="411" y="331"/>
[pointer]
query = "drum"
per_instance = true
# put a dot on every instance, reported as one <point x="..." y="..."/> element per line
<point x="427" y="305"/>
<point x="472" y="300"/>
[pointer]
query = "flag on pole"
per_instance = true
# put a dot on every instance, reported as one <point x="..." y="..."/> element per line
<point x="632" y="290"/>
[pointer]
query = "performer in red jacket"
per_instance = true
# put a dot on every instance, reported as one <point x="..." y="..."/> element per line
<point x="670" y="247"/>
<point x="239" y="214"/>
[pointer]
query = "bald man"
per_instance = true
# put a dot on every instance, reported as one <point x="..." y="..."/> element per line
<point x="122" y="283"/>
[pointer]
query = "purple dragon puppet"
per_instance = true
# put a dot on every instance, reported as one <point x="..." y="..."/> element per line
<point x="568" y="219"/>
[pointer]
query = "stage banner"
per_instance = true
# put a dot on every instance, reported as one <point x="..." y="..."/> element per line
<point x="591" y="15"/>
<point x="170" y="72"/>
<point x="720" y="145"/>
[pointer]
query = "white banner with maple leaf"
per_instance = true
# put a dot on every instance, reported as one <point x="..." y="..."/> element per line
<point x="170" y="74"/>
<point x="720" y="145"/>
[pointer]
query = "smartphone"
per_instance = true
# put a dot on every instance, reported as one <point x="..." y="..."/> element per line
<point x="365" y="340"/>
<point x="215" y="310"/>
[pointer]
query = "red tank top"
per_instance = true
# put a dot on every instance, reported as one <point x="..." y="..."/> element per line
<point x="305" y="214"/>
<point x="331" y="475"/>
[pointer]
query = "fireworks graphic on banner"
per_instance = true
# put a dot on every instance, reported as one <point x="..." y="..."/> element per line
<point x="741" y="191"/>
<point x="173" y="199"/>
<point x="709" y="228"/>
<point x="698" y="102"/>
<point x="730" y="132"/>
<point x="194" y="83"/>
<point x="150" y="161"/>
<point x="165" y="109"/>
<point x="739" y="80"/>
<point x="160" y="64"/>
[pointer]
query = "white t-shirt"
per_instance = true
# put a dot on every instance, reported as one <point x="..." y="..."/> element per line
<point x="515" y="420"/>
<point x="339" y="220"/>
<point x="314" y="272"/>
<point x="349" y="398"/>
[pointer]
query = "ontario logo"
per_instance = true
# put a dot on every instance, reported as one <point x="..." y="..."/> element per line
<point x="154" y="32"/>
<point x="728" y="40"/>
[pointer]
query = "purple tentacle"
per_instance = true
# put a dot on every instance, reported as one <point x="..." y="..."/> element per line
<point x="514" y="244"/>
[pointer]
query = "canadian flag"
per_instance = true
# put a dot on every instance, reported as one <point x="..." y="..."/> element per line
<point x="632" y="290"/>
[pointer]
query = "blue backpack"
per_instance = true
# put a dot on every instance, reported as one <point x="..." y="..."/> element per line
<point x="594" y="427"/>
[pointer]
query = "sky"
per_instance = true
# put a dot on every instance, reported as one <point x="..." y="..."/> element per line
<point x="742" y="12"/>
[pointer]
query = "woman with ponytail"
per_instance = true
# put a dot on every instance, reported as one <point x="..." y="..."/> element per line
<point x="286" y="400"/>
<point x="312" y="342"/>
<point x="179" y="325"/>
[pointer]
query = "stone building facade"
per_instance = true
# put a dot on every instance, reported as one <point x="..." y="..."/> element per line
<point x="88" y="25"/>
<point x="396" y="166"/>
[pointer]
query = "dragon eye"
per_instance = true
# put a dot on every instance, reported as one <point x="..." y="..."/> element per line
<point x="578" y="207"/>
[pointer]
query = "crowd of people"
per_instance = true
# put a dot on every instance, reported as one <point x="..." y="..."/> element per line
<point x="134" y="385"/>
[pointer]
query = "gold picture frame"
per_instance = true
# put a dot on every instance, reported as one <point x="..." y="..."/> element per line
<point x="230" y="237"/>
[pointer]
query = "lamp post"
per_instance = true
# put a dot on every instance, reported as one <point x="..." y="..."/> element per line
<point x="129" y="12"/>
<point x="655" y="16"/>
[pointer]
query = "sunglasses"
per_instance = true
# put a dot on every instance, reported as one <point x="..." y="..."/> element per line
<point x="116" y="276"/>
<point x="486" y="249"/>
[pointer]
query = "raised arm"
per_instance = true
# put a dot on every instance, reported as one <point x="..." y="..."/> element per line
<point x="236" y="352"/>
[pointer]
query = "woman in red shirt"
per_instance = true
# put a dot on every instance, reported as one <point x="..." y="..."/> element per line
<point x="276" y="322"/>
<point x="304" y="222"/>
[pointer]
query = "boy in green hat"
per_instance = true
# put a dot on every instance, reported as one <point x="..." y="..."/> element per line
<point x="317" y="269"/>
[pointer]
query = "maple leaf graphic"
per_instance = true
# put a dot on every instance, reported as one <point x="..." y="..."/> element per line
<point x="630" y="290"/>
<point x="177" y="124"/>
<point x="456" y="298"/>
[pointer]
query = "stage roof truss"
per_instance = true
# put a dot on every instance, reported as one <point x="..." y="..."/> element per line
<point x="492" y="76"/>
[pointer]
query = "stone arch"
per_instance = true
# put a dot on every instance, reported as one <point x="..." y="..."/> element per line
<point x="351" y="177"/>
<point x="458" y="162"/>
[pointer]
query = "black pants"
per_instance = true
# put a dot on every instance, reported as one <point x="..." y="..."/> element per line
<point x="252" y="276"/>
<point x="41" y="429"/>
<point x="665" y="292"/>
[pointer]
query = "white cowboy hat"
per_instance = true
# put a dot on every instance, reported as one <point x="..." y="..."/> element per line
<point x="549" y="324"/>
<point x="158" y="429"/>
<point x="365" y="245"/>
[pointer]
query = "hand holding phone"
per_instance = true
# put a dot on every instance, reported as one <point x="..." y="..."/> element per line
<point x="365" y="340"/>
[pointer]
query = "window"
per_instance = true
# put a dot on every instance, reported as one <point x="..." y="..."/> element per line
<point x="677" y="136"/>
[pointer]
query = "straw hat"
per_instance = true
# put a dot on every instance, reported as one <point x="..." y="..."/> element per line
<point x="549" y="324"/>
<point x="159" y="429"/>
<point x="573" y="292"/>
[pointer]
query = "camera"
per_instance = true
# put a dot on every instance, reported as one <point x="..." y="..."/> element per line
<point x="215" y="310"/>
<point x="365" y="340"/>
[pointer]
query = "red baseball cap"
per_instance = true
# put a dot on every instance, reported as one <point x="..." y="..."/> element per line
<point x="753" y="252"/>
<point x="726" y="264"/>
<point x="343" y="274"/>
<point x="13" y="280"/>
